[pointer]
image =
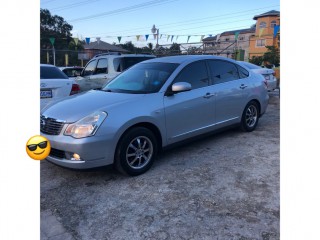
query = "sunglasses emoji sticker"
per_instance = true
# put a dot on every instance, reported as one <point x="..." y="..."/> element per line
<point x="38" y="147"/>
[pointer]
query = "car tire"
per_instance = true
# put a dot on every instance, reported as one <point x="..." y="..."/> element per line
<point x="136" y="151"/>
<point x="250" y="117"/>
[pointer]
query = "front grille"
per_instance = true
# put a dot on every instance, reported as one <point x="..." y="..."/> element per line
<point x="50" y="126"/>
<point x="57" y="153"/>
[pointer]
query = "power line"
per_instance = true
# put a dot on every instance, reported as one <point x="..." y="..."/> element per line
<point x="73" y="5"/>
<point x="125" y="9"/>
<point x="187" y="21"/>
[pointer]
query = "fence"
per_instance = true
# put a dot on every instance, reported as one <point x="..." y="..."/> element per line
<point x="80" y="58"/>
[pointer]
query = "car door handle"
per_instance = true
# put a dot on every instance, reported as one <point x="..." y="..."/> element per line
<point x="209" y="95"/>
<point x="242" y="86"/>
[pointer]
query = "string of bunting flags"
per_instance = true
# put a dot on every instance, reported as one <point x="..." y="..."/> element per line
<point x="163" y="36"/>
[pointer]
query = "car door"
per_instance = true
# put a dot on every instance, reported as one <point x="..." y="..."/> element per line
<point x="100" y="75"/>
<point x="84" y="80"/>
<point x="192" y="112"/>
<point x="229" y="92"/>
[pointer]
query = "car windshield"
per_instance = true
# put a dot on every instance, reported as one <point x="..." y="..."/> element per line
<point x="142" y="78"/>
<point x="47" y="72"/>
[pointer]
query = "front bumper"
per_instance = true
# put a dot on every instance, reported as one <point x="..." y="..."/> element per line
<point x="94" y="151"/>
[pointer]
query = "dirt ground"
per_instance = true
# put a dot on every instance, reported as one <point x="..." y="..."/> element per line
<point x="225" y="186"/>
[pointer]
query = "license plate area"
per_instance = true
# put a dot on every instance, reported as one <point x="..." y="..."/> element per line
<point x="45" y="93"/>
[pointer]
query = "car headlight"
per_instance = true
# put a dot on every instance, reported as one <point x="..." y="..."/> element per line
<point x="86" y="126"/>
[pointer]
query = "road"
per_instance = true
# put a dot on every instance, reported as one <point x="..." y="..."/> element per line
<point x="224" y="186"/>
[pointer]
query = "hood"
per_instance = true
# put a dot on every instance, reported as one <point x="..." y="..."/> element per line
<point x="72" y="109"/>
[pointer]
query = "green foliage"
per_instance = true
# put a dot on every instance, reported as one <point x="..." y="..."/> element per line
<point x="53" y="26"/>
<point x="272" y="55"/>
<point x="257" y="60"/>
<point x="128" y="46"/>
<point x="56" y="27"/>
<point x="175" y="49"/>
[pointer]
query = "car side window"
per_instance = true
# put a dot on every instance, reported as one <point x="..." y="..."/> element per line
<point x="90" y="68"/>
<point x="243" y="72"/>
<point x="102" y="66"/>
<point x="223" y="71"/>
<point x="195" y="73"/>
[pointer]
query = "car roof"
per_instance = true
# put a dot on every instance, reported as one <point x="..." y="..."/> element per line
<point x="188" y="58"/>
<point x="70" y="67"/>
<point x="122" y="55"/>
<point x="46" y="65"/>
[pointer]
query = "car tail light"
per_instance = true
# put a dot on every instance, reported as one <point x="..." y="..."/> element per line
<point x="75" y="89"/>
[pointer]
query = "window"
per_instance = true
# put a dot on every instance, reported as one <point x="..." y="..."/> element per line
<point x="243" y="73"/>
<point x="90" y="68"/>
<point x="241" y="38"/>
<point x="223" y="71"/>
<point x="263" y="25"/>
<point x="195" y="73"/>
<point x="102" y="66"/>
<point x="260" y="42"/>
<point x="273" y="23"/>
<point x="122" y="63"/>
<point x="142" y="78"/>
<point x="227" y="39"/>
<point x="51" y="73"/>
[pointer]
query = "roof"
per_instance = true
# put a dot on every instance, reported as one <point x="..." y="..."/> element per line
<point x="210" y="39"/>
<point x="266" y="14"/>
<point x="241" y="31"/>
<point x="104" y="55"/>
<point x="185" y="58"/>
<point x="101" y="45"/>
<point x="233" y="32"/>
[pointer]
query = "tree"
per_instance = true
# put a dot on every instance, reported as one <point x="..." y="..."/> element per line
<point x="128" y="46"/>
<point x="272" y="55"/>
<point x="54" y="27"/>
<point x="57" y="29"/>
<point x="150" y="46"/>
<point x="257" y="60"/>
<point x="175" y="49"/>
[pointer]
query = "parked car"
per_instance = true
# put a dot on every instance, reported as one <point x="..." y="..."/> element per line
<point x="54" y="84"/>
<point x="104" y="67"/>
<point x="152" y="105"/>
<point x="72" y="72"/>
<point x="267" y="73"/>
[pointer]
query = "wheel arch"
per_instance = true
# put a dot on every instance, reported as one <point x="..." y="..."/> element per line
<point x="153" y="128"/>
<point x="258" y="103"/>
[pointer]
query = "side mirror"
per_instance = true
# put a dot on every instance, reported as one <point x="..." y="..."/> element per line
<point x="178" y="87"/>
<point x="181" y="87"/>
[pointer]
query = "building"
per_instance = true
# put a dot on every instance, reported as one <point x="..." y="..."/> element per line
<point x="243" y="44"/>
<point x="230" y="43"/>
<point x="97" y="47"/>
<point x="264" y="34"/>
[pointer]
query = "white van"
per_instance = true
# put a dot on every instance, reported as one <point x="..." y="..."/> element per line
<point x="104" y="67"/>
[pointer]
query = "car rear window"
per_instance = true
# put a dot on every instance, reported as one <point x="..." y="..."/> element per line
<point x="250" y="65"/>
<point x="51" y="73"/>
<point x="122" y="63"/>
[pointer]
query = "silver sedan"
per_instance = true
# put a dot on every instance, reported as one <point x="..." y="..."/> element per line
<point x="153" y="104"/>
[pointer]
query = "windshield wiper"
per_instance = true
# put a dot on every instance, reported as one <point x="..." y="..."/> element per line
<point x="104" y="90"/>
